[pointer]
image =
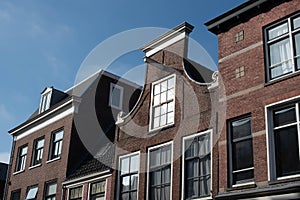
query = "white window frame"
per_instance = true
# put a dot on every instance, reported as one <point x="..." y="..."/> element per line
<point x="31" y="188"/>
<point x="18" y="164"/>
<point x="289" y="35"/>
<point x="46" y="187"/>
<point x="152" y="99"/>
<point x="119" y="171"/>
<point x="210" y="132"/>
<point x="112" y="86"/>
<point x="77" y="186"/>
<point x="51" y="156"/>
<point x="48" y="93"/>
<point x="269" y="130"/>
<point x="96" y="181"/>
<point x="35" y="150"/>
<point x="148" y="167"/>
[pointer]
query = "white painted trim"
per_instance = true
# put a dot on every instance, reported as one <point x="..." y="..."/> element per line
<point x="35" y="166"/>
<point x="81" y="179"/>
<point x="82" y="191"/>
<point x="267" y="107"/>
<point x="119" y="171"/>
<point x="52" y="160"/>
<point x="148" y="167"/>
<point x="47" y="114"/>
<point x="50" y="90"/>
<point x="18" y="172"/>
<point x="210" y="131"/>
<point x="112" y="85"/>
<point x="159" y="45"/>
<point x="44" y="124"/>
<point x="151" y="103"/>
<point x="243" y="184"/>
<point x="89" y="188"/>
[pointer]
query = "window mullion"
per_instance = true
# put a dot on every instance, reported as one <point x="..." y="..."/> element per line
<point x="292" y="43"/>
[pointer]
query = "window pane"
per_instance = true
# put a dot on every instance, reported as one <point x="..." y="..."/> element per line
<point x="134" y="181"/>
<point x="155" y="178"/>
<point x="284" y="116"/>
<point x="282" y="69"/>
<point x="133" y="196"/>
<point x="163" y="97"/>
<point x="243" y="177"/>
<point x="40" y="143"/>
<point x="170" y="117"/>
<point x="155" y="193"/>
<point x="51" y="189"/>
<point x="166" y="175"/>
<point x="125" y="183"/>
<point x="125" y="196"/>
<point x="134" y="164"/>
<point x="116" y="96"/>
<point x="155" y="158"/>
<point x="296" y="23"/>
<point x="278" y="31"/>
<point x="166" y="193"/>
<point x="125" y="166"/>
<point x="156" y="111"/>
<point x="171" y="106"/>
<point x="156" y="100"/>
<point x="156" y="122"/>
<point x="242" y="155"/>
<point x="241" y="128"/>
<point x="58" y="135"/>
<point x="24" y="151"/>
<point x="164" y="86"/>
<point x="156" y="89"/>
<point x="287" y="151"/>
<point x="297" y="44"/>
<point x="163" y="120"/>
<point x="171" y="83"/>
<point x="166" y="155"/>
<point x="163" y="109"/>
<point x="31" y="194"/>
<point x="192" y="168"/>
<point x="191" y="189"/>
<point x="170" y="94"/>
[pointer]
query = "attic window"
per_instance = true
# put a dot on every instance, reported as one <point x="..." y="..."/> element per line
<point x="239" y="36"/>
<point x="45" y="99"/>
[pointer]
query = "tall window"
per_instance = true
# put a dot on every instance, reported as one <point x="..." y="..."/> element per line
<point x="116" y="96"/>
<point x="162" y="103"/>
<point x="284" y="140"/>
<point x="129" y="176"/>
<point x="32" y="193"/>
<point x="75" y="193"/>
<point x="45" y="100"/>
<point x="21" y="160"/>
<point x="197" y="166"/>
<point x="240" y="151"/>
<point x="50" y="190"/>
<point x="15" y="195"/>
<point x="56" y="145"/>
<point x="38" y="149"/>
<point x="97" y="191"/>
<point x="283" y="47"/>
<point x="159" y="173"/>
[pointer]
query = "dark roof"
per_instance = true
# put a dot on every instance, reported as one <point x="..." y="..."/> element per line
<point x="197" y="72"/>
<point x="3" y="171"/>
<point x="240" y="14"/>
<point x="93" y="164"/>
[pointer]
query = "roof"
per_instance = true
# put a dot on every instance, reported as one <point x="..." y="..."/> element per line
<point x="91" y="164"/>
<point x="240" y="13"/>
<point x="3" y="171"/>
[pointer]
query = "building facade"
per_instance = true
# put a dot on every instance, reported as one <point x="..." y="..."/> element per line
<point x="52" y="150"/>
<point x="3" y="174"/>
<point x="259" y="48"/>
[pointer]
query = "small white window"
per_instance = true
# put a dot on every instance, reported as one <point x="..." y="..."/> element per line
<point x="45" y="99"/>
<point x="162" y="103"/>
<point x="116" y="96"/>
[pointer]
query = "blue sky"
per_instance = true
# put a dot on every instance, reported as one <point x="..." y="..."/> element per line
<point x="43" y="43"/>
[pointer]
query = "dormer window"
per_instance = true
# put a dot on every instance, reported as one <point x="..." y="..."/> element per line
<point x="116" y="96"/>
<point x="45" y="99"/>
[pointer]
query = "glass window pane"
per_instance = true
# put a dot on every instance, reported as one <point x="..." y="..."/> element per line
<point x="163" y="109"/>
<point x="51" y="189"/>
<point x="156" y="122"/>
<point x="296" y="23"/>
<point x="163" y="97"/>
<point x="287" y="151"/>
<point x="134" y="181"/>
<point x="242" y="177"/>
<point x="24" y="151"/>
<point x="166" y="175"/>
<point x="116" y="96"/>
<point x="166" y="193"/>
<point x="170" y="94"/>
<point x="156" y="89"/>
<point x="58" y="135"/>
<point x="171" y="106"/>
<point x="163" y="120"/>
<point x="156" y="100"/>
<point x="192" y="168"/>
<point x="31" y="194"/>
<point x="134" y="163"/>
<point x="125" y="183"/>
<point x="170" y="119"/>
<point x="282" y="69"/>
<point x="125" y="166"/>
<point x="155" y="178"/>
<point x="125" y="196"/>
<point x="241" y="128"/>
<point x="280" y="52"/>
<point x="155" y="158"/>
<point x="171" y="82"/>
<point x="40" y="143"/>
<point x="155" y="193"/>
<point x="284" y="116"/>
<point x="242" y="154"/>
<point x="278" y="31"/>
<point x="133" y="196"/>
<point x="164" y="86"/>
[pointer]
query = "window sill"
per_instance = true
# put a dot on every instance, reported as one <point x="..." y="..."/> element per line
<point x="54" y="159"/>
<point x="285" y="179"/>
<point x="282" y="78"/>
<point x="161" y="128"/>
<point x="203" y="198"/>
<point x="19" y="172"/>
<point x="35" y="166"/>
<point x="242" y="186"/>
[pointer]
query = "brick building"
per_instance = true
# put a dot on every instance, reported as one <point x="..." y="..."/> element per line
<point x="176" y="112"/>
<point x="259" y="60"/>
<point x="58" y="148"/>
